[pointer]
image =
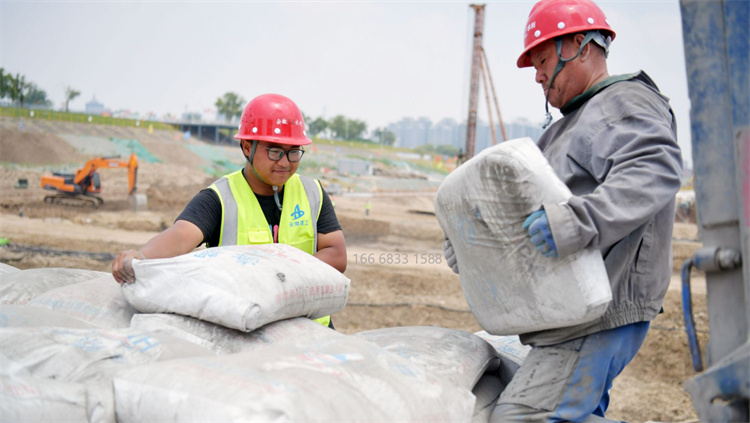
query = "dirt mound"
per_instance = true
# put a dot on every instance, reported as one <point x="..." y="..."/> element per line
<point x="36" y="148"/>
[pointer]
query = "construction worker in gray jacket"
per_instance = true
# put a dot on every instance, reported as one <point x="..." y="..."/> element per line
<point x="616" y="149"/>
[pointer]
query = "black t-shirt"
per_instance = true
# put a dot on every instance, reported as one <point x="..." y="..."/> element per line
<point x="204" y="211"/>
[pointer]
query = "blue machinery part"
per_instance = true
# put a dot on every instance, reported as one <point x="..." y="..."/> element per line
<point x="687" y="312"/>
<point x="708" y="260"/>
<point x="716" y="35"/>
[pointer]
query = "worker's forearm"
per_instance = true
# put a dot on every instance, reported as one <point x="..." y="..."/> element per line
<point x="333" y="256"/>
<point x="177" y="240"/>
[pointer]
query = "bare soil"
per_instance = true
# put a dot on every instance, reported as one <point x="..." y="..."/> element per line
<point x="384" y="294"/>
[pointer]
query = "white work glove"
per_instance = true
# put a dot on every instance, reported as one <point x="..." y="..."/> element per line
<point x="450" y="256"/>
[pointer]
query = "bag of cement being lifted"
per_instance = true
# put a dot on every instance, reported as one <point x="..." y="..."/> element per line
<point x="510" y="286"/>
<point x="241" y="287"/>
<point x="223" y="340"/>
<point x="21" y="286"/>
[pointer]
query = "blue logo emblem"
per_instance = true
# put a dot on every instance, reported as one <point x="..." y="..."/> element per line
<point x="297" y="213"/>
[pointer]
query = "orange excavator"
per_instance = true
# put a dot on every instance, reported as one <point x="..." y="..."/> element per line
<point x="80" y="189"/>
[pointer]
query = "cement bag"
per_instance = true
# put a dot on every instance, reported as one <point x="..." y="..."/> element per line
<point x="487" y="391"/>
<point x="344" y="379"/>
<point x="16" y="316"/>
<point x="83" y="359"/>
<point x="510" y="286"/>
<point x="511" y="351"/>
<point x="28" y="399"/>
<point x="240" y="287"/>
<point x="99" y="302"/>
<point x="6" y="269"/>
<point x="79" y="355"/>
<point x="456" y="357"/>
<point x="223" y="340"/>
<point x="22" y="286"/>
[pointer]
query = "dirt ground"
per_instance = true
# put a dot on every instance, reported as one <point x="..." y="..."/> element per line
<point x="422" y="292"/>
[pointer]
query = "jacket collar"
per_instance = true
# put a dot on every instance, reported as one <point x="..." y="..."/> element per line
<point x="579" y="100"/>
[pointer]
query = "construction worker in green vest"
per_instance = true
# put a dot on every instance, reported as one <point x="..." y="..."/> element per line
<point x="264" y="202"/>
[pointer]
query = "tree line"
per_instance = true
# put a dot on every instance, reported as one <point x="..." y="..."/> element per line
<point x="25" y="93"/>
<point x="231" y="105"/>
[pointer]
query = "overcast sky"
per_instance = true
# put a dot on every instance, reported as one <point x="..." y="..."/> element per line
<point x="373" y="61"/>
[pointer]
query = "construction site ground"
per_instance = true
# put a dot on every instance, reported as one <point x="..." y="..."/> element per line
<point x="400" y="227"/>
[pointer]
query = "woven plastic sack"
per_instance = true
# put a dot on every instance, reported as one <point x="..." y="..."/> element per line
<point x="69" y="371"/>
<point x="6" y="269"/>
<point x="21" y="286"/>
<point x="342" y="379"/>
<point x="29" y="399"/>
<point x="99" y="302"/>
<point x="223" y="340"/>
<point x="240" y="287"/>
<point x="456" y="357"/>
<point x="17" y="316"/>
<point x="510" y="286"/>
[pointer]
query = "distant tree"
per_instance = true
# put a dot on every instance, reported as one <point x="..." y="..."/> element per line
<point x="347" y="129"/>
<point x="230" y="105"/>
<point x="317" y="126"/>
<point x="5" y="82"/>
<point x="18" y="88"/>
<point x="70" y="94"/>
<point x="384" y="136"/>
<point x="425" y="149"/>
<point x="21" y="92"/>
<point x="447" y="150"/>
<point x="337" y="125"/>
<point x="356" y="129"/>
<point x="36" y="96"/>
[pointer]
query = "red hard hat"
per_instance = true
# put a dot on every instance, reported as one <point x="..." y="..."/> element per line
<point x="273" y="118"/>
<point x="552" y="18"/>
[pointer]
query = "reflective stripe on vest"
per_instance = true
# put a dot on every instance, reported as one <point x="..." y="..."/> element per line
<point x="243" y="221"/>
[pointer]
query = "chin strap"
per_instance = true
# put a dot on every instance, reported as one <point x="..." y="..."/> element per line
<point x="275" y="188"/>
<point x="560" y="63"/>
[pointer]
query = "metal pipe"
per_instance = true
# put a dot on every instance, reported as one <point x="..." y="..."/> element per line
<point x="687" y="313"/>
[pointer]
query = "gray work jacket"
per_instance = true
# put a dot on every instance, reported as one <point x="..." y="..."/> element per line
<point x="616" y="149"/>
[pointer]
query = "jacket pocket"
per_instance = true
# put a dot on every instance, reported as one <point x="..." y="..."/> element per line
<point x="643" y="254"/>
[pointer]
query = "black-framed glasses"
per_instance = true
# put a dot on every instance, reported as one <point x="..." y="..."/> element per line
<point x="276" y="153"/>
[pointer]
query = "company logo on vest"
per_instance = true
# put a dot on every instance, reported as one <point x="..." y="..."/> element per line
<point x="297" y="213"/>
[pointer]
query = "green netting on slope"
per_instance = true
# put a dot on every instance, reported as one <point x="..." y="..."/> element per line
<point x="126" y="147"/>
<point x="92" y="145"/>
<point x="218" y="163"/>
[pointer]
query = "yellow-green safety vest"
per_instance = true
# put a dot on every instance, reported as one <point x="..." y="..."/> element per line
<point x="243" y="221"/>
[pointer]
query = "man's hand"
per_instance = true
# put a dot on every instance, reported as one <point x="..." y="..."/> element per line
<point x="450" y="256"/>
<point x="122" y="266"/>
<point x="541" y="235"/>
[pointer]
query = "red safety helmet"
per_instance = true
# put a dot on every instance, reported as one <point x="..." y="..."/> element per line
<point x="552" y="18"/>
<point x="273" y="118"/>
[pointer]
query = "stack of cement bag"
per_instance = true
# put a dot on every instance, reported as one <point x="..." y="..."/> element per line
<point x="225" y="334"/>
<point x="511" y="287"/>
